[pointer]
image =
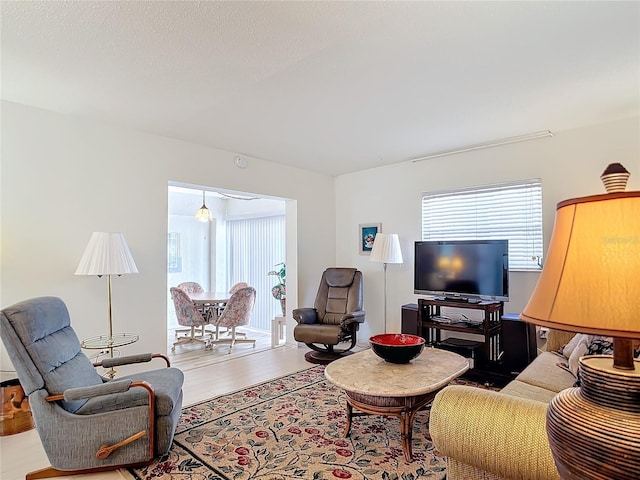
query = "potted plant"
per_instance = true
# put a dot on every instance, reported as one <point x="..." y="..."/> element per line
<point x="279" y="291"/>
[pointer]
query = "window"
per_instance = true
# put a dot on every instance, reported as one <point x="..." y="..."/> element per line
<point x="508" y="210"/>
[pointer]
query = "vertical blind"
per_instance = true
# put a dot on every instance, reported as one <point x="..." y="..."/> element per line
<point x="510" y="211"/>
<point x="254" y="247"/>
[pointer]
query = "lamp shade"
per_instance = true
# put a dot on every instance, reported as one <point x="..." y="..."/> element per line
<point x="203" y="214"/>
<point x="106" y="254"/>
<point x="386" y="249"/>
<point x="590" y="282"/>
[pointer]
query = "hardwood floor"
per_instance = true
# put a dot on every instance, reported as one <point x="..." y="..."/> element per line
<point x="192" y="355"/>
<point x="205" y="377"/>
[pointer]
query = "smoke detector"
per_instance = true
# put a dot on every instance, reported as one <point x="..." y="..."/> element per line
<point x="241" y="162"/>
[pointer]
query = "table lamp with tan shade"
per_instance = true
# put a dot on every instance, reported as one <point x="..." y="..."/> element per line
<point x="590" y="283"/>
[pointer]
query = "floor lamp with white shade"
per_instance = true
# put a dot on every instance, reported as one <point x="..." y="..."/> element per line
<point x="107" y="254"/>
<point x="386" y="249"/>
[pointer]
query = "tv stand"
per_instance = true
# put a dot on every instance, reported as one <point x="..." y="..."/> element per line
<point x="459" y="299"/>
<point x="484" y="353"/>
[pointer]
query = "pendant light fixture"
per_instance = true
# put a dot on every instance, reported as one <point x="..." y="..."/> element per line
<point x="203" y="215"/>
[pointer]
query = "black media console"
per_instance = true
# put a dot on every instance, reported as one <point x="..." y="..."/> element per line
<point x="508" y="345"/>
<point x="485" y="352"/>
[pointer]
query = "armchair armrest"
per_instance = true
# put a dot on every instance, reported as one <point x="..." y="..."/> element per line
<point x="466" y="421"/>
<point x="305" y="315"/>
<point x="80" y="393"/>
<point x="352" y="317"/>
<point x="108" y="388"/>
<point x="131" y="359"/>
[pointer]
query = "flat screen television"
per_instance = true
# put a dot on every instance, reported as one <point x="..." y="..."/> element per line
<point x="466" y="270"/>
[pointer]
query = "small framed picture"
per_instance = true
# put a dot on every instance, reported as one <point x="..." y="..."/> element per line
<point x="367" y="234"/>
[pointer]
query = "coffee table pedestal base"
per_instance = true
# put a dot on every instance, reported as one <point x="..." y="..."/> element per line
<point x="405" y="408"/>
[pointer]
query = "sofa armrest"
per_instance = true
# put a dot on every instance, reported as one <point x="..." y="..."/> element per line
<point x="493" y="431"/>
<point x="556" y="339"/>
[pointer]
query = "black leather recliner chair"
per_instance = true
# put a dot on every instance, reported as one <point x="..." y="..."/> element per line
<point x="335" y="316"/>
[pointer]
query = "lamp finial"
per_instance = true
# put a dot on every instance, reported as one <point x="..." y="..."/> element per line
<point x="615" y="178"/>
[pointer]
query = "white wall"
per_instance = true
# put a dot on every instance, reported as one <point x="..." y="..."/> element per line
<point x="570" y="164"/>
<point x="63" y="178"/>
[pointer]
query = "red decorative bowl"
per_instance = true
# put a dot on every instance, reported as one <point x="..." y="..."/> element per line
<point x="397" y="347"/>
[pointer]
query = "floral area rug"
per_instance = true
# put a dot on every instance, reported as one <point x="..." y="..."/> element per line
<point x="291" y="428"/>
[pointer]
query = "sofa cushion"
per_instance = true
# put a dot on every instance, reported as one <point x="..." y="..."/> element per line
<point x="526" y="390"/>
<point x="545" y="372"/>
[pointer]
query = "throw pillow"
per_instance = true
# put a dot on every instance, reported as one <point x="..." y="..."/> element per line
<point x="580" y="350"/>
<point x="600" y="346"/>
<point x="604" y="346"/>
<point x="597" y="345"/>
<point x="567" y="350"/>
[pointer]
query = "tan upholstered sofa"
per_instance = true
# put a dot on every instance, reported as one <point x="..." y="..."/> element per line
<point x="492" y="435"/>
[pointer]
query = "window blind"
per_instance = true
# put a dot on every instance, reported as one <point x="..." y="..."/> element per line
<point x="254" y="247"/>
<point x="491" y="212"/>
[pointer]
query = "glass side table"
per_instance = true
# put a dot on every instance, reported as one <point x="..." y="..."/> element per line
<point x="109" y="343"/>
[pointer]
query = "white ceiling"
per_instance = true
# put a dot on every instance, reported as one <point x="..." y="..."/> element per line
<point x="334" y="87"/>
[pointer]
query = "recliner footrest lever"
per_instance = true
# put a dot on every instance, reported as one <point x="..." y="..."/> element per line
<point x="105" y="450"/>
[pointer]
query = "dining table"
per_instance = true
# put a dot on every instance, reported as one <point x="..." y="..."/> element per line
<point x="211" y="304"/>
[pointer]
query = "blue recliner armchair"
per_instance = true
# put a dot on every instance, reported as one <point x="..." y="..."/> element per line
<point x="87" y="423"/>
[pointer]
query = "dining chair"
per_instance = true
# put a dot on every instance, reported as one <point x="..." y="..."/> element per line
<point x="232" y="290"/>
<point x="237" y="287"/>
<point x="188" y="316"/>
<point x="237" y="312"/>
<point x="191" y="288"/>
<point x="86" y="422"/>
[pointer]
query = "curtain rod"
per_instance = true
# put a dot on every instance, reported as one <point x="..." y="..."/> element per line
<point x="495" y="143"/>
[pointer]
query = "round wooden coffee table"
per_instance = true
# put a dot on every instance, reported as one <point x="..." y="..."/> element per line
<point x="376" y="387"/>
